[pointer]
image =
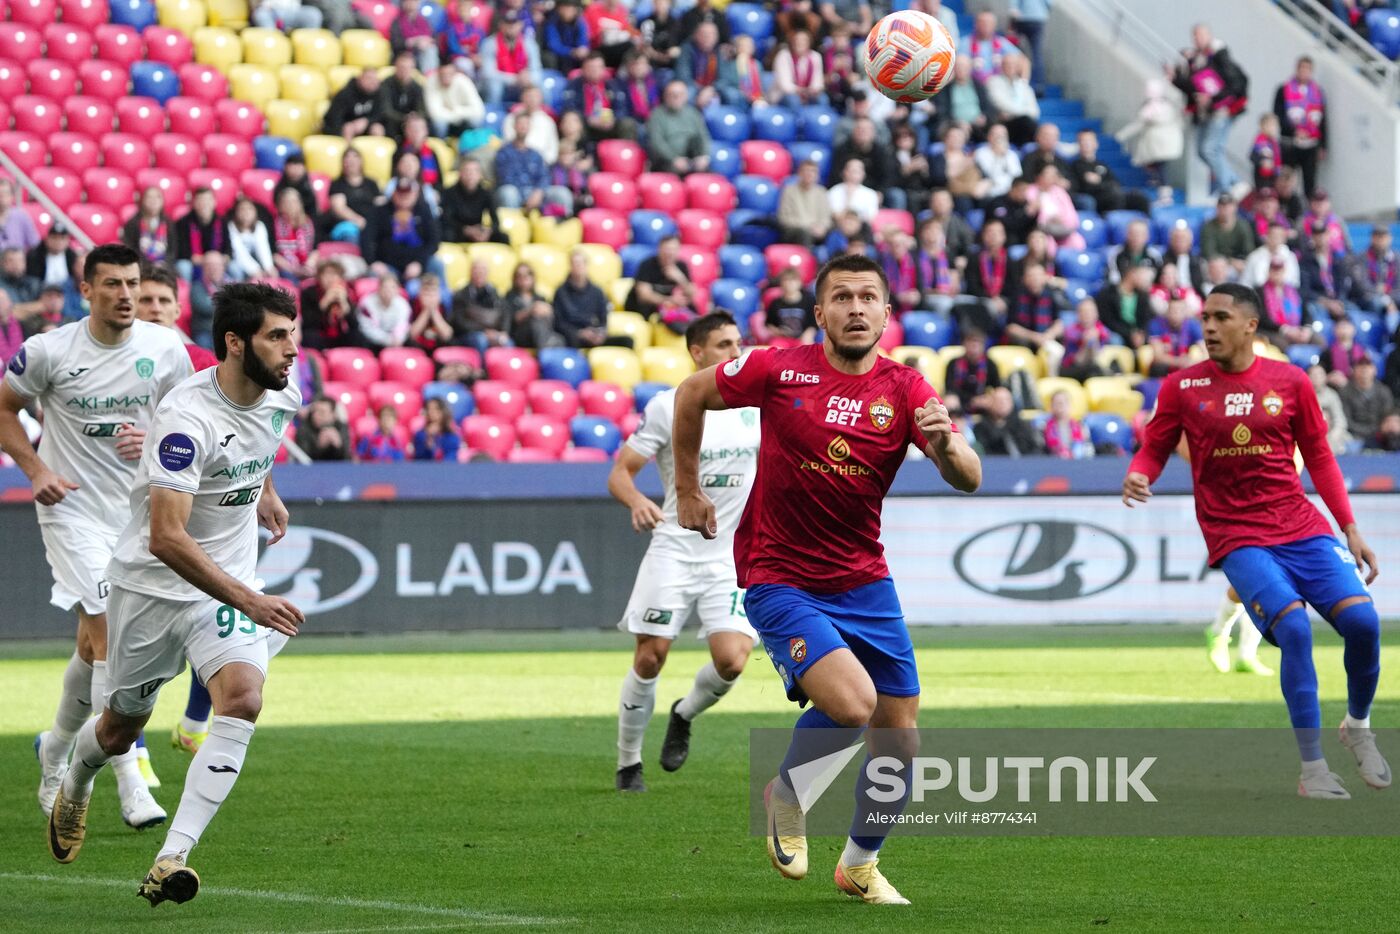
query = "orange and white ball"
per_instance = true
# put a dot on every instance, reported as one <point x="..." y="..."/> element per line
<point x="909" y="56"/>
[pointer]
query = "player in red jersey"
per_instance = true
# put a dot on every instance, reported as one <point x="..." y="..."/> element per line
<point x="1241" y="416"/>
<point x="838" y="419"/>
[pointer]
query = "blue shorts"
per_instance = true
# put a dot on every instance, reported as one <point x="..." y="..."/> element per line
<point x="1319" y="571"/>
<point x="798" y="628"/>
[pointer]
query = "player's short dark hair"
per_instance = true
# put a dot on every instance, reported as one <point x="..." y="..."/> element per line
<point x="699" y="330"/>
<point x="1242" y="297"/>
<point x="852" y="263"/>
<point x="240" y="307"/>
<point x="108" y="254"/>
<point x="161" y="275"/>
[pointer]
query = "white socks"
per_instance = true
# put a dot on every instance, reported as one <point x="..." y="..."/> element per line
<point x="1225" y="618"/>
<point x="193" y="726"/>
<point x="1250" y="637"/>
<point x="856" y="855"/>
<point x="74" y="708"/>
<point x="633" y="712"/>
<point x="1363" y="724"/>
<point x="210" y="778"/>
<point x="708" y="688"/>
<point x="124" y="766"/>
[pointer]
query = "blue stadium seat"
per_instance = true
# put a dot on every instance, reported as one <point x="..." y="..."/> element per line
<point x="928" y="329"/>
<point x="633" y="255"/>
<point x="1093" y="230"/>
<point x="736" y="296"/>
<point x="1107" y="428"/>
<point x="1086" y="265"/>
<point x="1322" y="326"/>
<point x="759" y="236"/>
<point x="975" y="218"/>
<point x="820" y="153"/>
<point x="738" y="217"/>
<point x="271" y="152"/>
<point x="1149" y="389"/>
<point x="737" y="261"/>
<point x="155" y="80"/>
<point x="554" y="85"/>
<point x="1370" y="329"/>
<point x="750" y="19"/>
<point x="1166" y="217"/>
<point x="642" y="393"/>
<point x="1015" y="252"/>
<point x="138" y="14"/>
<point x="564" y="363"/>
<point x="1384" y="26"/>
<point x="1060" y="108"/>
<point x="1304" y="355"/>
<point x="775" y="123"/>
<point x="458" y="398"/>
<point x="1076" y="290"/>
<point x="1360" y="234"/>
<point x="648" y="227"/>
<point x="495" y="119"/>
<point x="592" y="431"/>
<point x="729" y="124"/>
<point x="758" y="193"/>
<point x="1118" y="222"/>
<point x="725" y="159"/>
<point x="817" y="124"/>
<point x="434" y="12"/>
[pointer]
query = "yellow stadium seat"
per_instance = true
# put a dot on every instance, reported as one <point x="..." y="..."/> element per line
<point x="924" y="359"/>
<point x="1098" y="388"/>
<point x="514" y="226"/>
<point x="303" y="83"/>
<point x="616" y="365"/>
<point x="256" y="84"/>
<point x="565" y="234"/>
<point x="1078" y="399"/>
<point x="218" y="48"/>
<point x="1197" y="352"/>
<point x="619" y="291"/>
<point x="361" y="47"/>
<point x="551" y="264"/>
<point x="379" y="157"/>
<point x="266" y="47"/>
<point x="669" y="365"/>
<point x="1011" y="357"/>
<point x="500" y="262"/>
<point x="339" y="76"/>
<point x="323" y="154"/>
<point x="1267" y="351"/>
<point x="184" y="15"/>
<point x="950" y="353"/>
<point x="662" y="336"/>
<point x="230" y="13"/>
<point x="1125" y="357"/>
<point x="316" y="47"/>
<point x="295" y="120"/>
<point x="455" y="262"/>
<point x="630" y="324"/>
<point x="604" y="265"/>
<point x="1144" y="358"/>
<point x="1125" y="405"/>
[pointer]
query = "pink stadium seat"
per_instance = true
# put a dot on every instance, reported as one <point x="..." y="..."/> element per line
<point x="467" y="355"/>
<point x="119" y="44"/>
<point x="542" y="433"/>
<point x="701" y="228"/>
<point x="191" y="116"/>
<point x="892" y="217"/>
<point x="97" y="221"/>
<point x="553" y="398"/>
<point x="629" y="425"/>
<point x="258" y="185"/>
<point x="13" y="80"/>
<point x="40" y="215"/>
<point x="327" y="248"/>
<point x="407" y="365"/>
<point x="495" y="397"/>
<point x="76" y="152"/>
<point x="781" y="256"/>
<point x="321" y="188"/>
<point x="4" y="115"/>
<point x="488" y="434"/>
<point x="105" y="80"/>
<point x="110" y="187"/>
<point x="769" y="159"/>
<point x="90" y="116"/>
<point x="33" y="12"/>
<point x="380" y="13"/>
<point x="239" y="118"/>
<point x="203" y="82"/>
<point x="702" y="264"/>
<point x="170" y="46"/>
<point x="52" y="78"/>
<point x="530" y="456"/>
<point x="585" y="455"/>
<point x="88" y="14"/>
<point x="353" y="397"/>
<point x="661" y="191"/>
<point x="176" y="152"/>
<point x="621" y="156"/>
<point x="171" y="183"/>
<point x="21" y="42"/>
<point x="228" y="153"/>
<point x="405" y="399"/>
<point x="67" y="43"/>
<point x="38" y="115"/>
<point x="140" y="115"/>
<point x="511" y="365"/>
<point x="604" y="226"/>
<point x="701" y="301"/>
<point x="893" y="336"/>
<point x="353" y="366"/>
<point x="63" y="186"/>
<point x="612" y="191"/>
<point x="125" y="151"/>
<point x="28" y="150"/>
<point x="362" y="287"/>
<point x="605" y="399"/>
<point x="710" y="192"/>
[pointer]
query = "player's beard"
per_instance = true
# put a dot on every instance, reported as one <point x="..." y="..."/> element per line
<point x="849" y="351"/>
<point x="261" y="373"/>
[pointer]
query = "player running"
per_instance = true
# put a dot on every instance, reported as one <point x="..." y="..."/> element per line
<point x="182" y="570"/>
<point x="838" y="420"/>
<point x="1242" y="415"/>
<point x="683" y="572"/>
<point x="99" y="381"/>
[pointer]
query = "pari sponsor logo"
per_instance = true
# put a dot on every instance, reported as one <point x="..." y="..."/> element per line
<point x="1044" y="560"/>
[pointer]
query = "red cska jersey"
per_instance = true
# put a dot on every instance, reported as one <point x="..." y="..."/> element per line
<point x="831" y="446"/>
<point x="1241" y="429"/>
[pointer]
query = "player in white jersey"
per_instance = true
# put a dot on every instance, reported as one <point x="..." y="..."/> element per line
<point x="682" y="572"/>
<point x="183" y="574"/>
<point x="99" y="381"/>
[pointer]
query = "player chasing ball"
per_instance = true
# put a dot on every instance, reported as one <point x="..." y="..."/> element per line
<point x="1241" y="416"/>
<point x="838" y="419"/>
<point x="182" y="574"/>
<point x="685" y="573"/>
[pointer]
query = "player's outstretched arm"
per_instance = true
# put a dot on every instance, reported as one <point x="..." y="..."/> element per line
<point x="957" y="462"/>
<point x="622" y="484"/>
<point x="1310" y="430"/>
<point x="49" y="486"/>
<point x="177" y="549"/>
<point x="272" y="512"/>
<point x="698" y="394"/>
<point x="1160" y="437"/>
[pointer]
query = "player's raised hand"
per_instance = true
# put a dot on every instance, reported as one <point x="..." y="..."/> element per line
<point x="273" y="516"/>
<point x="696" y="512"/>
<point x="1136" y="488"/>
<point x="646" y="515"/>
<point x="276" y="613"/>
<point x="1365" y="557"/>
<point x="934" y="422"/>
<point x="50" y="488"/>
<point x="129" y="442"/>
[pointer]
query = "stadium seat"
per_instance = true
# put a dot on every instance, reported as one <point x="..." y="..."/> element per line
<point x="20" y="42"/>
<point x="13" y="80"/>
<point x="701" y="228"/>
<point x="1370" y="330"/>
<point x="120" y="45"/>
<point x="89" y="116"/>
<point x="33" y="12"/>
<point x="191" y="117"/>
<point x="552" y="85"/>
<point x="500" y="262"/>
<point x="323" y="154"/>
<point x="606" y="400"/>
<point x="603" y="226"/>
<point x="154" y="80"/>
<point x="364" y="47"/>
<point x="110" y="186"/>
<point x="125" y="151"/>
<point x="585" y="455"/>
<point x="354" y="366"/>
<point x="775" y="124"/>
<point x="1106" y="428"/>
<point x="708" y="191"/>
<point x="255" y="84"/>
<point x="563" y="365"/>
<point x="613" y="191"/>
<point x="604" y="266"/>
<point x="588" y="431"/>
<point x="644" y="392"/>
<point x="62" y="186"/>
<point x="239" y="118"/>
<point x="1118" y="221"/>
<point x="1383" y="26"/>
<point x="649" y="227"/>
<point x="551" y="265"/>
<point x="226" y="153"/>
<point x="1119" y="356"/>
<point x="259" y="185"/>
<point x="728" y="124"/>
<point x="176" y="152"/>
<point x="76" y="152"/>
<point x="338" y="76"/>
<point x="38" y="115"/>
<point x="271" y="152"/>
<point x="544" y="433"/>
<point x="184" y="15"/>
<point x="530" y="456"/>
<point x="553" y="398"/>
<point x="661" y="191"/>
<point x="1047" y="387"/>
<point x="172" y="183"/>
<point x="67" y="43"/>
<point x="405" y="399"/>
<point x="467" y="356"/>
<point x="1011" y="357"/>
<point x="488" y="434"/>
<point x="770" y="160"/>
<point x="816" y="123"/>
<point x="735" y="296"/>
<point x="669" y="365"/>
<point x="612" y="365"/>
<point x="456" y="396"/>
<point x="104" y="80"/>
<point x="303" y="83"/>
<point x="1087" y="265"/>
<point x="743" y="262"/>
<point x="316" y="47"/>
<point x="203" y="82"/>
<point x="564" y="234"/>
<point x="52" y="78"/>
<point x="27" y="150"/>
<point x="893" y="217"/>
<point x="621" y="156"/>
<point x="40" y="215"/>
<point x="170" y="46"/>
<point x="498" y="398"/>
<point x="1093" y="230"/>
<point x="702" y="264"/>
<point x="511" y="365"/>
<point x="291" y="119"/>
<point x="725" y="160"/>
<point x="631" y="325"/>
<point x="407" y="365"/>
<point x="758" y="193"/>
<point x="378" y="152"/>
<point x="924" y="359"/>
<point x="218" y="48"/>
<point x="782" y="256"/>
<point x="231" y="13"/>
<point x="928" y="329"/>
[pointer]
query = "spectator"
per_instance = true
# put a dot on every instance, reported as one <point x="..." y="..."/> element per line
<point x="741" y="76"/>
<point x="964" y="101"/>
<point x="565" y="37"/>
<point x="295" y="177"/>
<point x="984" y="47"/>
<point x="1091" y="176"/>
<point x="1387" y="437"/>
<point x="971" y="377"/>
<point x="610" y="29"/>
<point x="1013" y="100"/>
<point x="423" y="166"/>
<point x="249" y="242"/>
<point x="429" y="329"/>
<point x="478" y="314"/>
<point x="1284" y="305"/>
<point x="857" y="15"/>
<point x="412" y="33"/>
<point x="575" y="163"/>
<point x="1181" y="254"/>
<point x="437" y="440"/>
<point x="1341" y="358"/>
<point x="400" y="94"/>
<point x="54" y="310"/>
<point x="328" y="317"/>
<point x="451" y="102"/>
<point x="1217" y="90"/>
<point x="699" y="64"/>
<point x="510" y="60"/>
<point x="53" y="261"/>
<point x="531" y="317"/>
<point x="662" y="283"/>
<point x="862" y="108"/>
<point x="403" y="236"/>
<point x="1392" y="371"/>
<point x="957" y="231"/>
<point x="841" y="90"/>
<point x="1083" y="340"/>
<point x="198" y="233"/>
<point x="937" y="278"/>
<point x="987" y="269"/>
<point x="1028" y="18"/>
<point x="1157" y="136"/>
<point x="284" y="15"/>
<point x="902" y="272"/>
<point x="1218" y="272"/>
<point x="1001" y="431"/>
<point x="598" y="102"/>
<point x="1274" y="248"/>
<point x="1379" y="276"/>
<point x="998" y="162"/>
<point x="852" y="193"/>
<point x="1333" y="411"/>
<point x="638" y="93"/>
<point x="661" y="35"/>
<point x="798" y="15"/>
<point x="1320" y="212"/>
<point x="1266" y="152"/>
<point x="293" y="239"/>
<point x="18" y="284"/>
<point x="881" y="170"/>
<point x="580" y="307"/>
<point x="12" y="334"/>
<point x="1033" y="319"/>
<point x="1301" y="108"/>
<point x="1325" y="275"/>
<point x="700" y="13"/>
<point x="848" y="227"/>
<point x="938" y="11"/>
<point x="71" y="306"/>
<point x="1126" y="308"/>
<point x="911" y="166"/>
<point x="1065" y="436"/>
<point x="468" y="212"/>
<point x="464" y="36"/>
<point x="209" y="277"/>
<point x="791" y="318"/>
<point x="352" y="199"/>
<point x="1365" y="400"/>
<point x="1038" y="250"/>
<point x="1290" y="194"/>
<point x="522" y="178"/>
<point x="1135" y="250"/>
<point x="1171" y="337"/>
<point x="1227" y="235"/>
<point x="384" y="314"/>
<point x="1047" y="152"/>
<point x="804" y="210"/>
<point x="357" y="109"/>
<point x="324" y="436"/>
<point x="150" y="231"/>
<point x="17" y="231"/>
<point x="956" y="171"/>
<point x="1169" y="288"/>
<point x="1054" y="209"/>
<point x="384" y="445"/>
<point x="677" y="139"/>
<point x="798" y="78"/>
<point x="1266" y="211"/>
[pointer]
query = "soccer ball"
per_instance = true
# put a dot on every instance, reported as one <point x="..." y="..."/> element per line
<point x="909" y="56"/>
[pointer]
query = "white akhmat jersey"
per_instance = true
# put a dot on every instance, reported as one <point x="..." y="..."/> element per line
<point x="203" y="444"/>
<point x="728" y="462"/>
<point x="88" y="391"/>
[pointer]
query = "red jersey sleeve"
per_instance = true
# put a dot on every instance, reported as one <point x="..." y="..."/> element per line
<point x="920" y="392"/>
<point x="1162" y="433"/>
<point x="1310" y="433"/>
<point x="744" y="382"/>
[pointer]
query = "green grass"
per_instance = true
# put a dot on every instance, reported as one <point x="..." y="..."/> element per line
<point x="456" y="781"/>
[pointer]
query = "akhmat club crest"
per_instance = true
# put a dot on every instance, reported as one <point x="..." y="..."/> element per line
<point x="881" y="413"/>
<point x="797" y="648"/>
<point x="1273" y="404"/>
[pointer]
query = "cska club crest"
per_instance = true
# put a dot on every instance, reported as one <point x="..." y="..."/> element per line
<point x="1273" y="404"/>
<point x="881" y="413"/>
<point x="797" y="648"/>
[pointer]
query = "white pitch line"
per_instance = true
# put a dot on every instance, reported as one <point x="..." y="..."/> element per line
<point x="303" y="898"/>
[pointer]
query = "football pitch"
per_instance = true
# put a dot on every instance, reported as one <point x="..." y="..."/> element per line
<point x="456" y="782"/>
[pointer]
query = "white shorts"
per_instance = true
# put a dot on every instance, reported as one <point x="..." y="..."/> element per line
<point x="78" y="556"/>
<point x="149" y="638"/>
<point x="668" y="590"/>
